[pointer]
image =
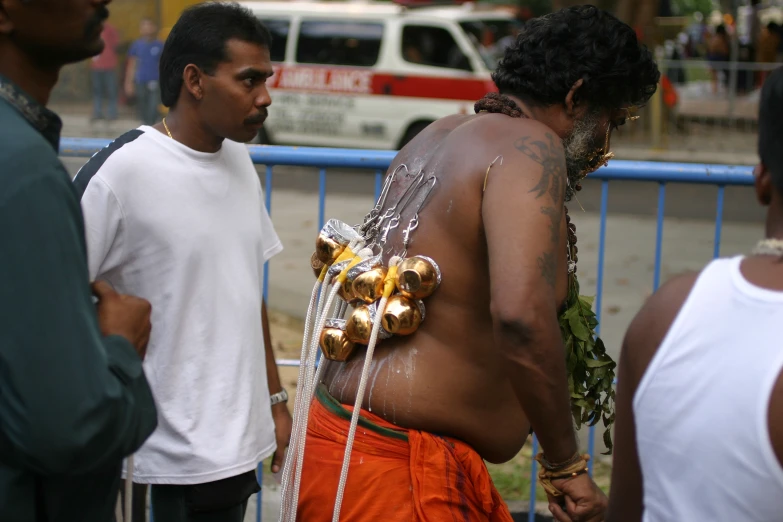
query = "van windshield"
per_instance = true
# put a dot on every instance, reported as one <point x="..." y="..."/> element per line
<point x="490" y="37"/>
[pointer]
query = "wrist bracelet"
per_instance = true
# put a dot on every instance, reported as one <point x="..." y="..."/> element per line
<point x="281" y="396"/>
<point x="556" y="466"/>
<point x="577" y="466"/>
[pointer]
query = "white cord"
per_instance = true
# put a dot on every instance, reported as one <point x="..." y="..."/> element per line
<point x="295" y="430"/>
<point x="309" y="387"/>
<point x="129" y="489"/>
<point x="342" y="306"/>
<point x="376" y="328"/>
<point x="118" y="509"/>
<point x="306" y="388"/>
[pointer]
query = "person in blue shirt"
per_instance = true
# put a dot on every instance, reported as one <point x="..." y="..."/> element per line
<point x="142" y="75"/>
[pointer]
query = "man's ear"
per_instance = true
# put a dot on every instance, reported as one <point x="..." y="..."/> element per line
<point x="762" y="182"/>
<point x="571" y="99"/>
<point x="191" y="79"/>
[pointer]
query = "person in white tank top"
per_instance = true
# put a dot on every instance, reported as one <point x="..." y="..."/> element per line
<point x="699" y="431"/>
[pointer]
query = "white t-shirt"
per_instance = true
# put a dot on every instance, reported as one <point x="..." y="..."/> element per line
<point x="189" y="232"/>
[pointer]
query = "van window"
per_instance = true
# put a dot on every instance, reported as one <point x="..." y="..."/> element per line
<point x="491" y="38"/>
<point x="339" y="43"/>
<point x="279" y="30"/>
<point x="435" y="46"/>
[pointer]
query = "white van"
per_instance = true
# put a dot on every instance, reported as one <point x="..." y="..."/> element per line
<point x="374" y="74"/>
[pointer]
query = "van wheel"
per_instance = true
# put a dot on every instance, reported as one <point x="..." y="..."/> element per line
<point x="262" y="138"/>
<point x="413" y="131"/>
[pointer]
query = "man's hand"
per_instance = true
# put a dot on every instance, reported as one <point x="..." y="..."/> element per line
<point x="584" y="501"/>
<point x="130" y="89"/>
<point x="123" y="315"/>
<point x="283" y="425"/>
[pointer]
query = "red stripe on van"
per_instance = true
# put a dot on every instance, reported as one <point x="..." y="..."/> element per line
<point x="350" y="80"/>
<point x="468" y="89"/>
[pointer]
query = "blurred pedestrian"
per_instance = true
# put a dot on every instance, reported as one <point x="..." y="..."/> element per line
<point x="104" y="76"/>
<point x="142" y="80"/>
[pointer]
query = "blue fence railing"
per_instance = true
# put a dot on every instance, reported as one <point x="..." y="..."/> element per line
<point x="379" y="161"/>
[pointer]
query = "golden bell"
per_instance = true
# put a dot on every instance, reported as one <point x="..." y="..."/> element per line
<point x="369" y="286"/>
<point x="358" y="327"/>
<point x="335" y="345"/>
<point x="316" y="264"/>
<point x="346" y="292"/>
<point x="402" y="316"/>
<point x="418" y="277"/>
<point x="327" y="249"/>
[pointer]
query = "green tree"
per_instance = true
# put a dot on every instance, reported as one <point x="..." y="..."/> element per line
<point x="688" y="7"/>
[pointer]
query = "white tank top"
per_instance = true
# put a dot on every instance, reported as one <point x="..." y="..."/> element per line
<point x="701" y="407"/>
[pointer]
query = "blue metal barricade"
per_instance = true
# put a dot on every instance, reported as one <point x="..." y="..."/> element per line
<point x="379" y="161"/>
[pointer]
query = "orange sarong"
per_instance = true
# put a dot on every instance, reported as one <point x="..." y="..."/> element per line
<point x="395" y="474"/>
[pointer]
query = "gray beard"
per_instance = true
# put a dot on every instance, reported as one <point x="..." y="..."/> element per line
<point x="578" y="147"/>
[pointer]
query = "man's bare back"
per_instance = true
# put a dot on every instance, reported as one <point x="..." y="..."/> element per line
<point x="449" y="378"/>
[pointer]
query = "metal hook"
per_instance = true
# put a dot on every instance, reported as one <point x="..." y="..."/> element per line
<point x="413" y="224"/>
<point x="375" y="212"/>
<point x="387" y="185"/>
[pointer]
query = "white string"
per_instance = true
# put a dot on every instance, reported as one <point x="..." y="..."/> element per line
<point x="342" y="306"/>
<point x="118" y="509"/>
<point x="376" y="328"/>
<point x="306" y="388"/>
<point x="129" y="489"/>
<point x="309" y="388"/>
<point x="291" y="454"/>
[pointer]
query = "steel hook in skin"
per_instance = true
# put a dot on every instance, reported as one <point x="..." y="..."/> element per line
<point x="374" y="214"/>
<point x="393" y="214"/>
<point x="413" y="224"/>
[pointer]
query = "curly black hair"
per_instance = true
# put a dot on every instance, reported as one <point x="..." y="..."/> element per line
<point x="583" y="42"/>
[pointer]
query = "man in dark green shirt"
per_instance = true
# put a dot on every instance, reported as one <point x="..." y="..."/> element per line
<point x="73" y="397"/>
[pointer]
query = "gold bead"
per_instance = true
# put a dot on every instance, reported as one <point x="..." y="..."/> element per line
<point x="346" y="292"/>
<point x="369" y="286"/>
<point x="418" y="277"/>
<point x="358" y="327"/>
<point x="335" y="344"/>
<point x="402" y="316"/>
<point x="327" y="249"/>
<point x="316" y="264"/>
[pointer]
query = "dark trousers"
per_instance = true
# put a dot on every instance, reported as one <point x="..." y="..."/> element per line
<point x="147" y="101"/>
<point x="170" y="504"/>
<point x="104" y="90"/>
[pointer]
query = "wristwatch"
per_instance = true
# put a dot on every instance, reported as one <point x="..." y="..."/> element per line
<point x="281" y="396"/>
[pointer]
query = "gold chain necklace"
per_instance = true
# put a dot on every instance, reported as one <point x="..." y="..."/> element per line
<point x="167" y="129"/>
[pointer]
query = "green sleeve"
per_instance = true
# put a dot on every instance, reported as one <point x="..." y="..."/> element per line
<point x="71" y="401"/>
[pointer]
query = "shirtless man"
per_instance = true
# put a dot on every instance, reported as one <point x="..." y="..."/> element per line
<point x="488" y="362"/>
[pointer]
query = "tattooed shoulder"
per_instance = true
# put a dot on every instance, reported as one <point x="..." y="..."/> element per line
<point x="546" y="153"/>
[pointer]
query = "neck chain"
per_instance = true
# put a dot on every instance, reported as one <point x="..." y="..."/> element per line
<point x="769" y="247"/>
<point x="167" y="129"/>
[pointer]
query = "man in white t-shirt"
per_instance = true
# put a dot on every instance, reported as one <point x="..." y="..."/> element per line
<point x="175" y="213"/>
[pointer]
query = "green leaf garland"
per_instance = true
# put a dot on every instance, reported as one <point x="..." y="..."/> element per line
<point x="590" y="368"/>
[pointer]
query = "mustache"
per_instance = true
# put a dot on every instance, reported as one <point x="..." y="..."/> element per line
<point x="258" y="118"/>
<point x="101" y="14"/>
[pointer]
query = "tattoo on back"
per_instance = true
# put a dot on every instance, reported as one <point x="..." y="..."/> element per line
<point x="553" y="173"/>
<point x="554" y="222"/>
<point x="547" y="264"/>
<point x="552" y="182"/>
